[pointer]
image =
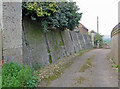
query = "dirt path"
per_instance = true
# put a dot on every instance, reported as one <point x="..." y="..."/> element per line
<point x="90" y="70"/>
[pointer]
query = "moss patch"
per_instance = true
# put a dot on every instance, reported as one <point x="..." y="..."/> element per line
<point x="48" y="50"/>
<point x="81" y="52"/>
<point x="56" y="42"/>
<point x="50" y="59"/>
<point x="55" y="48"/>
<point x="58" y="58"/>
<point x="87" y="65"/>
<point x="80" y="80"/>
<point x="61" y="43"/>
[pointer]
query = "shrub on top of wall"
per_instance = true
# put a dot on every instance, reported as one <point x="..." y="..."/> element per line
<point x="14" y="75"/>
<point x="53" y="15"/>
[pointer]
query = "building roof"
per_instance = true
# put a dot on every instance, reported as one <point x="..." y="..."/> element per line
<point x="81" y="27"/>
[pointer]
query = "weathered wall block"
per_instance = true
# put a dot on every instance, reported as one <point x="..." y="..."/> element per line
<point x="34" y="44"/>
<point x="75" y="41"/>
<point x="69" y="47"/>
<point x="56" y="45"/>
<point x="0" y="30"/>
<point x="12" y="31"/>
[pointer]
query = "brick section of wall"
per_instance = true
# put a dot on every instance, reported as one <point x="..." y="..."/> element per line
<point x="12" y="31"/>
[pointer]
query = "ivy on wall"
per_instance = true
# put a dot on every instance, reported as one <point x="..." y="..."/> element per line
<point x="53" y="15"/>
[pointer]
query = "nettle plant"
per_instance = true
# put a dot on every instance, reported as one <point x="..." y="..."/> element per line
<point x="53" y="15"/>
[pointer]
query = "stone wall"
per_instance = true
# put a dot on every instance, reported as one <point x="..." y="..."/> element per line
<point x="115" y="42"/>
<point x="45" y="48"/>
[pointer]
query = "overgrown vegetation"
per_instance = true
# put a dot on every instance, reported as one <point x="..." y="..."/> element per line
<point x="52" y="72"/>
<point x="53" y="15"/>
<point x="113" y="63"/>
<point x="14" y="75"/>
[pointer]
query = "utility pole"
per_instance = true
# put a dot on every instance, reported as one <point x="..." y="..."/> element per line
<point x="98" y="43"/>
<point x="97" y="24"/>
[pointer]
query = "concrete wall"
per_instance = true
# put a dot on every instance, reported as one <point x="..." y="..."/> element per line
<point x="42" y="48"/>
<point x="119" y="12"/>
<point x="29" y="45"/>
<point x="115" y="39"/>
<point x="0" y="30"/>
<point x="34" y="44"/>
<point x="115" y="42"/>
<point x="12" y="31"/>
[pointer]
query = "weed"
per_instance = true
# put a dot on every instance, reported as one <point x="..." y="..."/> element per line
<point x="50" y="59"/>
<point x="37" y="66"/>
<point x="116" y="66"/>
<point x="33" y="82"/>
<point x="80" y="79"/>
<point x="61" y="43"/>
<point x="87" y="65"/>
<point x="84" y="67"/>
<point x="55" y="48"/>
<point x="88" y="62"/>
<point x="58" y="58"/>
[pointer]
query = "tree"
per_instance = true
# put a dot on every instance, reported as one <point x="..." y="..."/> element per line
<point x="53" y="15"/>
<point x="98" y="38"/>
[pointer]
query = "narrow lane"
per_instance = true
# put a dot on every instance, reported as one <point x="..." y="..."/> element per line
<point x="90" y="70"/>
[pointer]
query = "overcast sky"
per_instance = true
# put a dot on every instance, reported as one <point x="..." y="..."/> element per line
<point x="107" y="10"/>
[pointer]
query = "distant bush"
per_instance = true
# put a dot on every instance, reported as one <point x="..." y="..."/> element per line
<point x="14" y="75"/>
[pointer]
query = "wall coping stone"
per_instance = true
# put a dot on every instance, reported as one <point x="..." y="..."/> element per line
<point x="115" y="30"/>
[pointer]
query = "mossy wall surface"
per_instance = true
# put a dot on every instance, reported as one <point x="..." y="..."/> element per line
<point x="68" y="43"/>
<point x="75" y="41"/>
<point x="81" y="41"/>
<point x="34" y="44"/>
<point x="46" y="48"/>
<point x="24" y="42"/>
<point x="56" y="46"/>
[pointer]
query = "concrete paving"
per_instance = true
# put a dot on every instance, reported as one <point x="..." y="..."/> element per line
<point x="100" y="74"/>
